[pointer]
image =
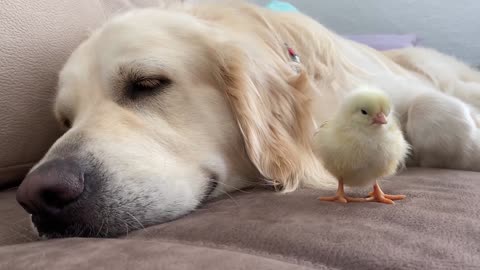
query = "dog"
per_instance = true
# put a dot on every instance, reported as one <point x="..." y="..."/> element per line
<point x="165" y="108"/>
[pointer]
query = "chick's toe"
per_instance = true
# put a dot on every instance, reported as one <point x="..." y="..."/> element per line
<point x="377" y="195"/>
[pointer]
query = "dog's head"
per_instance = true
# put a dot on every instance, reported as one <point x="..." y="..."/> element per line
<point x="163" y="111"/>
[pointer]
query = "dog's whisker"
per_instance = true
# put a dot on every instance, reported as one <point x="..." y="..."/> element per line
<point x="136" y="225"/>
<point x="230" y="186"/>
<point x="80" y="230"/>
<point x="10" y="189"/>
<point x="107" y="228"/>
<point x="21" y="234"/>
<point x="101" y="227"/>
<point x="231" y="197"/>
<point x="25" y="229"/>
<point x="139" y="223"/>
<point x="135" y="219"/>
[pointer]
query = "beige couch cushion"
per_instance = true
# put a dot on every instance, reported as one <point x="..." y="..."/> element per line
<point x="36" y="38"/>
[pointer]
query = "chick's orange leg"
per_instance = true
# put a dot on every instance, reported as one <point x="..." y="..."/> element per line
<point x="378" y="195"/>
<point x="340" y="196"/>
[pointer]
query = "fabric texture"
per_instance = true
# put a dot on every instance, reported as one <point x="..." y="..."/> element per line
<point x="436" y="227"/>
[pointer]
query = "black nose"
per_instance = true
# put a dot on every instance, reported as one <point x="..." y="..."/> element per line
<point x="51" y="187"/>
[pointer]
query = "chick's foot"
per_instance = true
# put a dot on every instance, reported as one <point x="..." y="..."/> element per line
<point x="377" y="195"/>
<point x="342" y="199"/>
<point x="336" y="198"/>
<point x="340" y="196"/>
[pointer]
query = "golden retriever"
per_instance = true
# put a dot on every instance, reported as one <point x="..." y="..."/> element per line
<point x="167" y="107"/>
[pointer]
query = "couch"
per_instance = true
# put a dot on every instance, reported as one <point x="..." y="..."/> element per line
<point x="436" y="227"/>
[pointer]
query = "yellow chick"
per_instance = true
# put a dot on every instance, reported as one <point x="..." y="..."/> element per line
<point x="361" y="144"/>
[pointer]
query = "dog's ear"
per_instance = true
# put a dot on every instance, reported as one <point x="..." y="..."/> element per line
<point x="271" y="103"/>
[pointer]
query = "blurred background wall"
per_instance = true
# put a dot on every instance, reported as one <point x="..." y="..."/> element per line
<point x="450" y="26"/>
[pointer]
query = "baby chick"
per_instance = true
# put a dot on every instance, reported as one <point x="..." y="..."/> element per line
<point x="361" y="144"/>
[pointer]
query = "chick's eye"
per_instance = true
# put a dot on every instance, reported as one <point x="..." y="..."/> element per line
<point x="364" y="111"/>
<point x="147" y="86"/>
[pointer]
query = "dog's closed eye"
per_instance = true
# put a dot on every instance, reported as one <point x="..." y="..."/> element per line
<point x="147" y="86"/>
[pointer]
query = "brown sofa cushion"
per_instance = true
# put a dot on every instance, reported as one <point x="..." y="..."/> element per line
<point x="136" y="254"/>
<point x="36" y="39"/>
<point x="14" y="223"/>
<point x="436" y="227"/>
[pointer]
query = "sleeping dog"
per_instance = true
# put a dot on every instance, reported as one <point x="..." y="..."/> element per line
<point x="165" y="108"/>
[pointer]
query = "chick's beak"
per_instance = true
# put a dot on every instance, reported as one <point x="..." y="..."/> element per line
<point x="379" y="119"/>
